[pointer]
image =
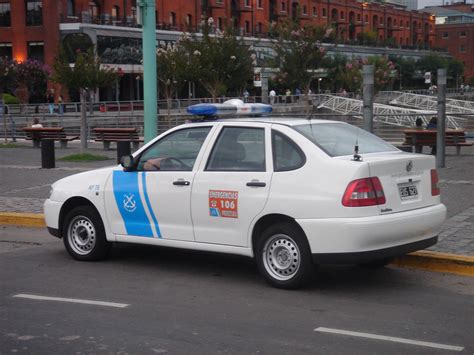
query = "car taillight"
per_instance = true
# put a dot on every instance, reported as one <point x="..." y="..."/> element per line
<point x="364" y="192"/>
<point x="435" y="190"/>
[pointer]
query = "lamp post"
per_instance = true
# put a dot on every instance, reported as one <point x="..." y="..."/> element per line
<point x="319" y="85"/>
<point x="138" y="87"/>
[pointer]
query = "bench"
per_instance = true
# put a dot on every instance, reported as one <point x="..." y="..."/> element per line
<point x="54" y="133"/>
<point x="108" y="135"/>
<point x="417" y="138"/>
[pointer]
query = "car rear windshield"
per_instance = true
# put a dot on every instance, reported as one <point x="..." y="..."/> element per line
<point x="338" y="139"/>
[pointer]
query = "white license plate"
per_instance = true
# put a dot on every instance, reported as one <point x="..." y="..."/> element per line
<point x="407" y="191"/>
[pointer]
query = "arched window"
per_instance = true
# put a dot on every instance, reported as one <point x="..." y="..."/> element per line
<point x="173" y="18"/>
<point x="71" y="8"/>
<point x="189" y="20"/>
<point x="115" y="13"/>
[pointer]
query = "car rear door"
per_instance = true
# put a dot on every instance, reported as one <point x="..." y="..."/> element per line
<point x="232" y="185"/>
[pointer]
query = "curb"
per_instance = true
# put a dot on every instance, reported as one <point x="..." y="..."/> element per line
<point x="426" y="260"/>
<point x="439" y="262"/>
<point x="34" y="220"/>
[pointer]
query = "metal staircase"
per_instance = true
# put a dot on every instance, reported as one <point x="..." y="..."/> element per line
<point x="426" y="102"/>
<point x="392" y="115"/>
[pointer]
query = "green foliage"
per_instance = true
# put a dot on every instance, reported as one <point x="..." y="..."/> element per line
<point x="9" y="145"/>
<point x="368" y="38"/>
<point x="221" y="63"/>
<point x="298" y="52"/>
<point x="10" y="99"/>
<point x="86" y="74"/>
<point x="85" y="157"/>
<point x="336" y="67"/>
<point x="34" y="75"/>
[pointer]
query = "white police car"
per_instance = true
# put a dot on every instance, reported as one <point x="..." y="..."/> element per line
<point x="289" y="192"/>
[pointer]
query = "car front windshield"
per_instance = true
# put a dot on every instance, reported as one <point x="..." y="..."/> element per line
<point x="338" y="139"/>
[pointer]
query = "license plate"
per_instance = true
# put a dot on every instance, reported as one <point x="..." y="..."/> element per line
<point x="407" y="191"/>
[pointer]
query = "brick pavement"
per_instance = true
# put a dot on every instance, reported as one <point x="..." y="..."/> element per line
<point x="457" y="185"/>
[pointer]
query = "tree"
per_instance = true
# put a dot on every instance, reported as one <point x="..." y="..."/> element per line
<point x="33" y="75"/>
<point x="85" y="76"/>
<point x="298" y="54"/>
<point x="8" y="75"/>
<point x="220" y="62"/>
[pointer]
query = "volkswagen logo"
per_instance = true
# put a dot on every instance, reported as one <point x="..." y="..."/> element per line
<point x="409" y="166"/>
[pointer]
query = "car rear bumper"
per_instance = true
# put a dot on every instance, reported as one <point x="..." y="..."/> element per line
<point x="365" y="238"/>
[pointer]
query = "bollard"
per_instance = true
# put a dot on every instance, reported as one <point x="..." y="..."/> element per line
<point x="123" y="149"/>
<point x="47" y="154"/>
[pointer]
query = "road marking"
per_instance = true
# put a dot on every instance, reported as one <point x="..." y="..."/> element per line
<point x="387" y="338"/>
<point x="72" y="300"/>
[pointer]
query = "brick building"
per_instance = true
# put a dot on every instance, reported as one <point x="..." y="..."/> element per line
<point x="35" y="28"/>
<point x="455" y="32"/>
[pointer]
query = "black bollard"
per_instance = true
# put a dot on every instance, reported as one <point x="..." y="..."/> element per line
<point x="123" y="148"/>
<point x="47" y="154"/>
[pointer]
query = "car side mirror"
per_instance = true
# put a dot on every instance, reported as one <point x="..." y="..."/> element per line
<point x="127" y="162"/>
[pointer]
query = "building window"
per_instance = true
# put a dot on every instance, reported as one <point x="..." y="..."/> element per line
<point x="219" y="23"/>
<point x="260" y="27"/>
<point x="259" y="4"/>
<point x="366" y="18"/>
<point x="445" y="35"/>
<point x="381" y="21"/>
<point x="463" y="34"/>
<point x="305" y="10"/>
<point x="315" y="11"/>
<point x="247" y="27"/>
<point x="36" y="51"/>
<point x="189" y="20"/>
<point x="247" y="3"/>
<point x="282" y="6"/>
<point x="358" y="17"/>
<point x="462" y="49"/>
<point x="71" y="8"/>
<point x="6" y="50"/>
<point x="324" y="12"/>
<point x="34" y="13"/>
<point x="408" y="24"/>
<point x="342" y="15"/>
<point x="115" y="13"/>
<point x="173" y="18"/>
<point x="5" y="20"/>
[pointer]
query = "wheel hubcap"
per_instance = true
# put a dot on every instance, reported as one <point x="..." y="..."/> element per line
<point x="81" y="235"/>
<point x="281" y="257"/>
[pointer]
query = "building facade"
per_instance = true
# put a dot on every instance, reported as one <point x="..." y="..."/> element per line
<point x="37" y="28"/>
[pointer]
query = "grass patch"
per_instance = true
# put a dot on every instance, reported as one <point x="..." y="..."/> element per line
<point x="9" y="145"/>
<point x="84" y="157"/>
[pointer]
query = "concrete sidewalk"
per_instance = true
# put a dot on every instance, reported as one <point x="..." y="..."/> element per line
<point x="24" y="186"/>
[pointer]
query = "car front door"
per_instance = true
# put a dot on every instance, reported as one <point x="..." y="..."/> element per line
<point x="232" y="185"/>
<point x="155" y="199"/>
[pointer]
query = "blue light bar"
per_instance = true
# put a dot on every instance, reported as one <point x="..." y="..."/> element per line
<point x="229" y="107"/>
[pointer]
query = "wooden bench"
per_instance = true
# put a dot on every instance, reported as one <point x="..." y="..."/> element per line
<point x="108" y="135"/>
<point x="54" y="133"/>
<point x="417" y="138"/>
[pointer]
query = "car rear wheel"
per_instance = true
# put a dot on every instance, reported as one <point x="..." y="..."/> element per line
<point x="283" y="256"/>
<point x="84" y="234"/>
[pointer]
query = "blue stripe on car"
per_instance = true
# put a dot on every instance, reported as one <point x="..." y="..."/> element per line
<point x="129" y="203"/>
<point x="148" y="203"/>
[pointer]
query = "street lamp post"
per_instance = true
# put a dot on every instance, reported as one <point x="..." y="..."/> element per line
<point x="319" y="85"/>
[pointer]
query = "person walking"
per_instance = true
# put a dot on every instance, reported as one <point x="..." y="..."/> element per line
<point x="272" y="96"/>
<point x="60" y="104"/>
<point x="288" y="96"/>
<point x="50" y="100"/>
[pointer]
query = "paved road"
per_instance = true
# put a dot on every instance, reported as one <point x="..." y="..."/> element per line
<point x="183" y="302"/>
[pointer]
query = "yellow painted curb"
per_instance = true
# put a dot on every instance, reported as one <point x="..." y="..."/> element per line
<point x="22" y="219"/>
<point x="440" y="262"/>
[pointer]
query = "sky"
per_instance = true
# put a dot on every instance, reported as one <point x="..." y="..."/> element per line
<point x="424" y="3"/>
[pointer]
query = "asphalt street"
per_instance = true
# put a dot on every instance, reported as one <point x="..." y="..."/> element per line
<point x="182" y="302"/>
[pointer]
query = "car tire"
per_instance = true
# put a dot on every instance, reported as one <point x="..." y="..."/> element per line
<point x="84" y="234"/>
<point x="283" y="256"/>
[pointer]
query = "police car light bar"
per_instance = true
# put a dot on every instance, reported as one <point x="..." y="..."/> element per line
<point x="229" y="107"/>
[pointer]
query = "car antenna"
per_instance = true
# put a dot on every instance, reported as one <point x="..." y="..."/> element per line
<point x="356" y="156"/>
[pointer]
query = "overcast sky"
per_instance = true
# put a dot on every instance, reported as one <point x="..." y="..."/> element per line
<point x="424" y="3"/>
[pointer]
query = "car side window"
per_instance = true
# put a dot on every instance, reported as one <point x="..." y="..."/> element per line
<point x="175" y="152"/>
<point x="286" y="153"/>
<point x="238" y="149"/>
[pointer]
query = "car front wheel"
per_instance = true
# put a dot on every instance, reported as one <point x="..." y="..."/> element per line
<point x="84" y="234"/>
<point x="284" y="257"/>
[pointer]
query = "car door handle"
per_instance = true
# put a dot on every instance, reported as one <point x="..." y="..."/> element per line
<point x="256" y="184"/>
<point x="181" y="183"/>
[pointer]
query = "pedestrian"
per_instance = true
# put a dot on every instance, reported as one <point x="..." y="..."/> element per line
<point x="272" y="96"/>
<point x="433" y="125"/>
<point x="60" y="104"/>
<point x="418" y="125"/>
<point x="36" y="123"/>
<point x="288" y="96"/>
<point x="50" y="101"/>
<point x="246" y="96"/>
<point x="297" y="94"/>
